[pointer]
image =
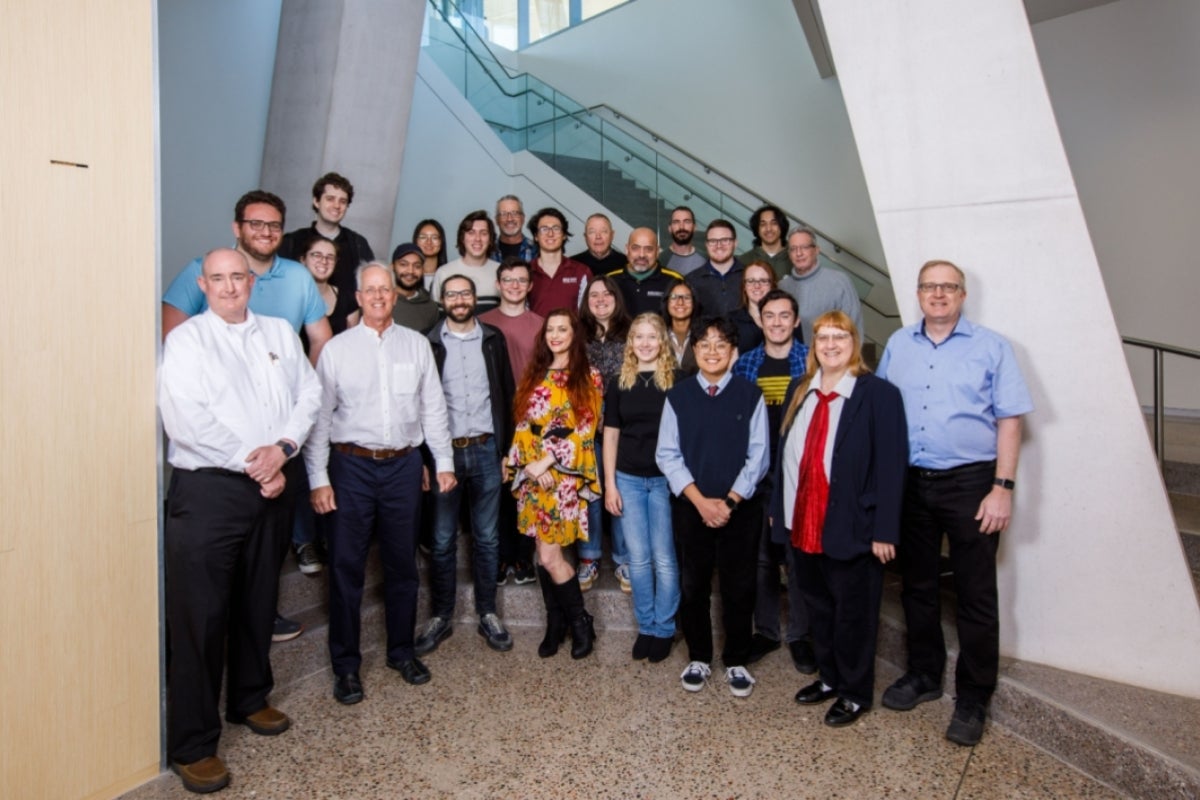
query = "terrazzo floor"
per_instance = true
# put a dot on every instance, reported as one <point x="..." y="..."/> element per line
<point x="511" y="725"/>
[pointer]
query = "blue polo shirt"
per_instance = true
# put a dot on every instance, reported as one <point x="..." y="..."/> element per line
<point x="286" y="290"/>
<point x="954" y="391"/>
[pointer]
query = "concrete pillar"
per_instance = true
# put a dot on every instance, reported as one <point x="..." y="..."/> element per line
<point x="340" y="101"/>
<point x="963" y="161"/>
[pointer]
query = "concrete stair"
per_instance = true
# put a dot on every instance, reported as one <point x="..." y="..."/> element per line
<point x="607" y="185"/>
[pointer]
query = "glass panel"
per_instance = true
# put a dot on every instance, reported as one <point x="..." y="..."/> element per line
<point x="547" y="17"/>
<point x="500" y="17"/>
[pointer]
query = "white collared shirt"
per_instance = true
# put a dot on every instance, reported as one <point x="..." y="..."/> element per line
<point x="381" y="392"/>
<point x="793" y="447"/>
<point x="224" y="390"/>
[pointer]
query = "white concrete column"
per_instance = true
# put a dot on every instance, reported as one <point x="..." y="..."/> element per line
<point x="964" y="162"/>
<point x="340" y="101"/>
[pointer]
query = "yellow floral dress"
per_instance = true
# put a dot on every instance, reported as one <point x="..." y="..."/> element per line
<point x="551" y="426"/>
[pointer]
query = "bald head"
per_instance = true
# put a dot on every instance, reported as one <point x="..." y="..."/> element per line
<point x="642" y="250"/>
<point x="226" y="280"/>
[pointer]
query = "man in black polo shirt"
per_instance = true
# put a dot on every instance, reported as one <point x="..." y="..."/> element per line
<point x="599" y="255"/>
<point x="642" y="281"/>
<point x="718" y="282"/>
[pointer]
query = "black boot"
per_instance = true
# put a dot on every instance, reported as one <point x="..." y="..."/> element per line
<point x="556" y="623"/>
<point x="583" y="635"/>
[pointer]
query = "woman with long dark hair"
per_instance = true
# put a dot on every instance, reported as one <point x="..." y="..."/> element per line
<point x="757" y="280"/>
<point x="680" y="307"/>
<point x="430" y="239"/>
<point x="839" y="508"/>
<point x="552" y="463"/>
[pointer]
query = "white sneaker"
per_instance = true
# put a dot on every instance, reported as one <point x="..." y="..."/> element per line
<point x="622" y="573"/>
<point x="695" y="676"/>
<point x="741" y="682"/>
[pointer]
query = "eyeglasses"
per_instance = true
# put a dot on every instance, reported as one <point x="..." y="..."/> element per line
<point x="509" y="280"/>
<point x="454" y="294"/>
<point x="546" y="230"/>
<point x="722" y="241"/>
<point x="832" y="338"/>
<point x="680" y="298"/>
<point x="326" y="258"/>
<point x="934" y="288"/>
<point x="713" y="346"/>
<point x="509" y="214"/>
<point x="429" y="237"/>
<point x="257" y="225"/>
<point x="800" y="248"/>
<point x="757" y="281"/>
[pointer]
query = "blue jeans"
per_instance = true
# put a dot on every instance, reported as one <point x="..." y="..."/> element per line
<point x="477" y="468"/>
<point x="645" y="522"/>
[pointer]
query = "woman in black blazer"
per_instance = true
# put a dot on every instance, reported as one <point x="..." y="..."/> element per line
<point x="837" y="502"/>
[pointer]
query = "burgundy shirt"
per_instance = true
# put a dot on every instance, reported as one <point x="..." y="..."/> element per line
<point x="564" y="290"/>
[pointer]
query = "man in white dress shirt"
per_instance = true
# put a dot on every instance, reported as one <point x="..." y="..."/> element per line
<point x="238" y="398"/>
<point x="381" y="400"/>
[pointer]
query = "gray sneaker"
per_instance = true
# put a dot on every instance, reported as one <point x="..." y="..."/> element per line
<point x="434" y="633"/>
<point x="492" y="629"/>
<point x="308" y="558"/>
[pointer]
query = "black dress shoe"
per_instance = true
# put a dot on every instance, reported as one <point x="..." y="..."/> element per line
<point x="759" y="646"/>
<point x="803" y="658"/>
<point x="814" y="693"/>
<point x="642" y="645"/>
<point x="412" y="670"/>
<point x="843" y="713"/>
<point x="347" y="689"/>
<point x="660" y="649"/>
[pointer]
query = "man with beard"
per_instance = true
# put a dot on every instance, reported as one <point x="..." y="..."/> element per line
<point x="332" y="195"/>
<point x="381" y="401"/>
<point x="718" y="283"/>
<point x="282" y="288"/>
<point x="599" y="255"/>
<point x="642" y="281"/>
<point x="681" y="256"/>
<point x="770" y="228"/>
<point x="817" y="288"/>
<point x="414" y="307"/>
<point x="510" y="218"/>
<point x="476" y="235"/>
<point x="557" y="281"/>
<point x="477" y="380"/>
<point x="237" y="399"/>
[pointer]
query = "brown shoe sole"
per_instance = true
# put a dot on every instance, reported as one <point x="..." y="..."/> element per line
<point x="204" y="776"/>
<point x="267" y="722"/>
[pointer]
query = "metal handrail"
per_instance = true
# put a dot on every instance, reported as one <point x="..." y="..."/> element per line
<point x="655" y="136"/>
<point x="1160" y="349"/>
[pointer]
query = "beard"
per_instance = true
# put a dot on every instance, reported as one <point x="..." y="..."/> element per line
<point x="682" y="237"/>
<point x="460" y="313"/>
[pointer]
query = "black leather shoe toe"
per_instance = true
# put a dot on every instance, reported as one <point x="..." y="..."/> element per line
<point x="843" y="713"/>
<point x="412" y="670"/>
<point x="814" y="693"/>
<point x="347" y="689"/>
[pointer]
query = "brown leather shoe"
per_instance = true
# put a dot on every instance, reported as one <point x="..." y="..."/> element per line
<point x="266" y="721"/>
<point x="203" y="776"/>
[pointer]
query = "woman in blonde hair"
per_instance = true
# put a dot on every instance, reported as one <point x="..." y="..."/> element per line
<point x="636" y="493"/>
<point x="838" y="489"/>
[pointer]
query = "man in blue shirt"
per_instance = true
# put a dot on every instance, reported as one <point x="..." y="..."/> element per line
<point x="714" y="471"/>
<point x="964" y="397"/>
<point x="282" y="288"/>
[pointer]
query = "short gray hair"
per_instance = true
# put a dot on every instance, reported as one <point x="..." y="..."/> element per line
<point x="362" y="268"/>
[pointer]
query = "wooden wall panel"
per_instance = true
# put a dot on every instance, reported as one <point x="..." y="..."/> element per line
<point x="79" y="636"/>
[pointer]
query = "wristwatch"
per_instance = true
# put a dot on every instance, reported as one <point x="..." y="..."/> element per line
<point x="1005" y="483"/>
<point x="287" y="447"/>
<point x="729" y="501"/>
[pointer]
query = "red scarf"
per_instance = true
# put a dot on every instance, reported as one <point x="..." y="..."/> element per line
<point x="812" y="490"/>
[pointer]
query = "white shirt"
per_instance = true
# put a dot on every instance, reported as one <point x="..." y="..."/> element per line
<point x="484" y="277"/>
<point x="224" y="390"/>
<point x="381" y="392"/>
<point x="793" y="447"/>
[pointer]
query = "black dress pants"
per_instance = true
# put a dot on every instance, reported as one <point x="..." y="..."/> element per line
<point x="733" y="551"/>
<point x="223" y="546"/>
<point x="945" y="503"/>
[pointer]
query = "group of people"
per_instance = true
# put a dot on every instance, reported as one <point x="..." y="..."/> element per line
<point x="710" y="413"/>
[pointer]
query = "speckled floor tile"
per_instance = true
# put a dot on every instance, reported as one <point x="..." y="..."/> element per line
<point x="1004" y="767"/>
<point x="506" y="725"/>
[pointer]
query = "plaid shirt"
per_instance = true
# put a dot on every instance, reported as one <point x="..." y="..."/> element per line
<point x="748" y="364"/>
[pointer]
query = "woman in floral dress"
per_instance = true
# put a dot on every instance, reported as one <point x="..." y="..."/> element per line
<point x="552" y="464"/>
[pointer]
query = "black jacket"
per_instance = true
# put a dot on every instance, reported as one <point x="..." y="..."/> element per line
<point x="500" y="379"/>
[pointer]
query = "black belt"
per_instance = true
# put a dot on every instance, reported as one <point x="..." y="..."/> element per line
<point x="961" y="469"/>
<point x="376" y="455"/>
<point x="227" y="473"/>
<point x="467" y="441"/>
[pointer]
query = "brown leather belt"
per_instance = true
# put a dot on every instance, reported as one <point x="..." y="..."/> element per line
<point x="363" y="452"/>
<point x="467" y="441"/>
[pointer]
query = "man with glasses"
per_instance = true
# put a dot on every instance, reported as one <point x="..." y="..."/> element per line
<point x="558" y="281"/>
<point x="681" y="256"/>
<point x="772" y="366"/>
<point x="770" y="228"/>
<point x="964" y="397"/>
<point x="713" y="450"/>
<point x="381" y="401"/>
<point x="414" y="307"/>
<point x="476" y="236"/>
<point x="510" y="219"/>
<point x="643" y="283"/>
<point x="718" y="283"/>
<point x="520" y="327"/>
<point x="331" y="198"/>
<point x="472" y="358"/>
<point x="817" y="288"/>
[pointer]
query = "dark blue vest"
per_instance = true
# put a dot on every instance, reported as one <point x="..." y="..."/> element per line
<point x="714" y="432"/>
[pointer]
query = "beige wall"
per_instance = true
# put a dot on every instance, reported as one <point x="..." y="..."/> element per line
<point x="79" y="639"/>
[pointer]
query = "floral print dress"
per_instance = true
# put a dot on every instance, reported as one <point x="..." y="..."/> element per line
<point x="550" y="425"/>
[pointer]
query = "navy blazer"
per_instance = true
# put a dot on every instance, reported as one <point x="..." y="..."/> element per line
<point x="870" y="460"/>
